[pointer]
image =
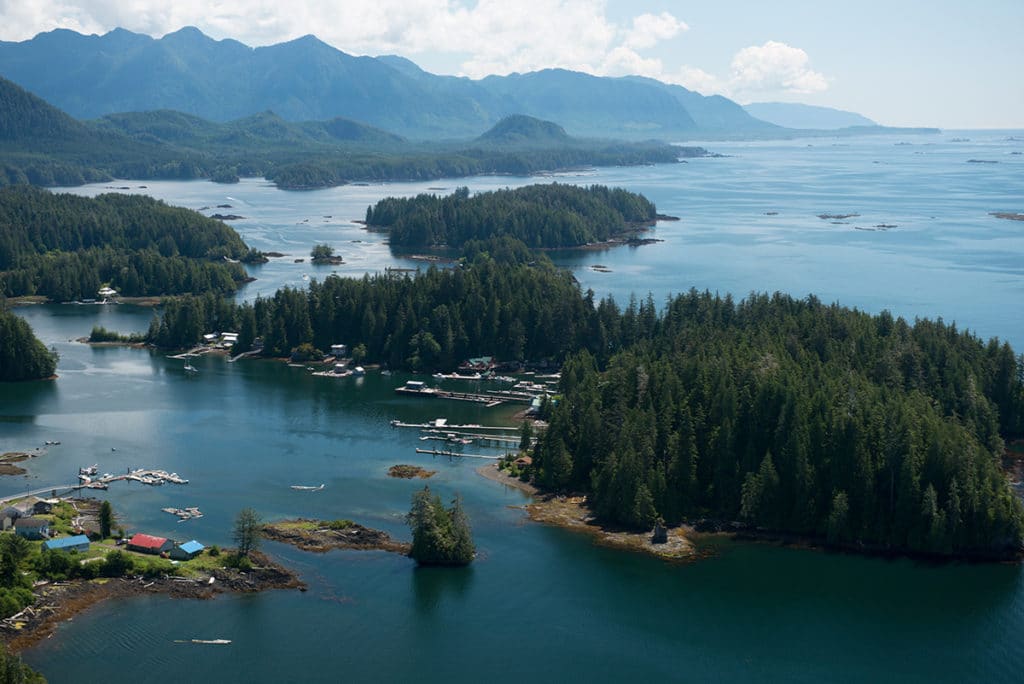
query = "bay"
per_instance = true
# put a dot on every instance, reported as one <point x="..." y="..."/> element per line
<point x="539" y="603"/>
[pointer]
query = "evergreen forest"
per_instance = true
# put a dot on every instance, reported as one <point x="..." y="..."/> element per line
<point x="22" y="355"/>
<point x="782" y="414"/>
<point x="540" y="216"/>
<point x="794" y="416"/>
<point x="440" y="536"/>
<point x="66" y="247"/>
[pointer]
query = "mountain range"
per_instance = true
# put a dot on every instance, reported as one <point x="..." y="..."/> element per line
<point x="42" y="145"/>
<point x="91" y="76"/>
<point x="795" y="115"/>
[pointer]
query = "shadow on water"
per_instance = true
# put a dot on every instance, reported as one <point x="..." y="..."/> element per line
<point x="20" y="402"/>
<point x="432" y="586"/>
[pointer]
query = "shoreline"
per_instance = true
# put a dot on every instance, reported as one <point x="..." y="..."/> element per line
<point x="321" y="536"/>
<point x="59" y="602"/>
<point x="571" y="513"/>
<point x="490" y="471"/>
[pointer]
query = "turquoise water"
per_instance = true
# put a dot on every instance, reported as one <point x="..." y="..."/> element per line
<point x="540" y="603"/>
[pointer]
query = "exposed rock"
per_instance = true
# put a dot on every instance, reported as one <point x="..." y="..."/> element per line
<point x="323" y="535"/>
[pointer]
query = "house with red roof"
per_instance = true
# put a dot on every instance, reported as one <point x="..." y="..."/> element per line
<point x="144" y="543"/>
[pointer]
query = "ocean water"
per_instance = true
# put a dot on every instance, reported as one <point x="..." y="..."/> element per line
<point x="539" y="603"/>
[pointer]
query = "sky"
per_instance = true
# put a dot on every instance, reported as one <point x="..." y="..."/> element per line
<point x="900" y="62"/>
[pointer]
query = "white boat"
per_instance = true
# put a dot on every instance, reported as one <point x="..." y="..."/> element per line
<point x="306" y="488"/>
<point x="359" y="371"/>
<point x="189" y="368"/>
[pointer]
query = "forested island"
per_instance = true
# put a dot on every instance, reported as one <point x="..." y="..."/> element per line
<point x="541" y="216"/>
<point x="22" y="355"/>
<point x="66" y="247"/>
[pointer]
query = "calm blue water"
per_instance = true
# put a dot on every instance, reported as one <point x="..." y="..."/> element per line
<point x="540" y="603"/>
<point x="947" y="256"/>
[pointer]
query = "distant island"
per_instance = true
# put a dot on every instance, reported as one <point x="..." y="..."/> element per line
<point x="539" y="216"/>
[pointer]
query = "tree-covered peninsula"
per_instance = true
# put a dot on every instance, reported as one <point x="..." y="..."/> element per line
<point x="67" y="247"/>
<point x="796" y="417"/>
<point x="540" y="216"/>
<point x="22" y="355"/>
<point x="428" y="321"/>
<point x="790" y="415"/>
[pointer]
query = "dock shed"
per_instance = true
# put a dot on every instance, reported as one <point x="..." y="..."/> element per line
<point x="79" y="542"/>
<point x="145" y="543"/>
<point x="187" y="551"/>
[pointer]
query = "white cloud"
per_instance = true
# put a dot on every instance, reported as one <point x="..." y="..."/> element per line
<point x="699" y="80"/>
<point x="488" y="36"/>
<point x="481" y="36"/>
<point x="650" y="29"/>
<point x="775" y="67"/>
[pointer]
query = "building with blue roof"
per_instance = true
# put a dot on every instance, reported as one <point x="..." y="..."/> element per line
<point x="187" y="551"/>
<point x="79" y="542"/>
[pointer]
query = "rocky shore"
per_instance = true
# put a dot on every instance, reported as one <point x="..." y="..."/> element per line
<point x="572" y="513"/>
<point x="60" y="601"/>
<point x="321" y="536"/>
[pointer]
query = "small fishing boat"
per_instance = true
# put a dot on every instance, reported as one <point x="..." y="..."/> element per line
<point x="306" y="488"/>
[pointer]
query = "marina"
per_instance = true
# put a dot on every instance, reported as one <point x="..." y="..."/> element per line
<point x="154" y="478"/>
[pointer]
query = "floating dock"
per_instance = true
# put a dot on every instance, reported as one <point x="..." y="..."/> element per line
<point x="456" y="454"/>
<point x="442" y="424"/>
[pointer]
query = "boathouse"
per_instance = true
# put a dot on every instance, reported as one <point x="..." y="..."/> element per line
<point x="187" y="551"/>
<point x="79" y="542"/>
<point x="44" y="505"/>
<point x="32" y="528"/>
<point x="144" y="543"/>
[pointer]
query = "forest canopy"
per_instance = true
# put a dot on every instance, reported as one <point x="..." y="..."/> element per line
<point x="795" y="416"/>
<point x="787" y="414"/>
<point x="66" y="247"/>
<point x="22" y="355"/>
<point x="541" y="216"/>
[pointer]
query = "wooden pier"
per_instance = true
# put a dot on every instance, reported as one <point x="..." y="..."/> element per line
<point x="442" y="424"/>
<point x="456" y="454"/>
<point x="489" y="397"/>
